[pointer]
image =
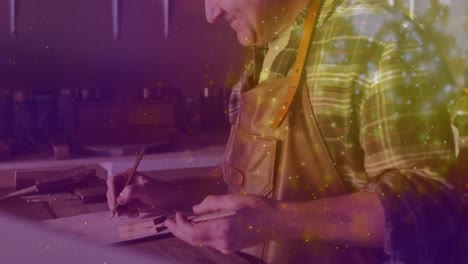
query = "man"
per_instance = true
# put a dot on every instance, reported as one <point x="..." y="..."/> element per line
<point x="369" y="184"/>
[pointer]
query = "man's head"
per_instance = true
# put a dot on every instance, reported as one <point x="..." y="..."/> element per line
<point x="255" y="21"/>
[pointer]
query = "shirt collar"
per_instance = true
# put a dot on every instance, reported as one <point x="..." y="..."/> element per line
<point x="328" y="6"/>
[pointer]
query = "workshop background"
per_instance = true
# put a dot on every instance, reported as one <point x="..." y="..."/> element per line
<point x="80" y="73"/>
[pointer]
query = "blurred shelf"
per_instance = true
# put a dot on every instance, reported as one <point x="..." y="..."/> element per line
<point x="197" y="150"/>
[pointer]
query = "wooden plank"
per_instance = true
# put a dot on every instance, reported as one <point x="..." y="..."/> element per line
<point x="72" y="208"/>
<point x="18" y="207"/>
<point x="28" y="242"/>
<point x="98" y="228"/>
<point x="181" y="252"/>
<point x="95" y="226"/>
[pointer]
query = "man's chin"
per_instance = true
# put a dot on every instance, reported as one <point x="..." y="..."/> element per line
<point x="248" y="39"/>
<point x="245" y="41"/>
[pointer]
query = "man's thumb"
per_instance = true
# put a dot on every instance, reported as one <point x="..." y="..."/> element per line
<point x="210" y="204"/>
<point x="121" y="200"/>
<point x="128" y="194"/>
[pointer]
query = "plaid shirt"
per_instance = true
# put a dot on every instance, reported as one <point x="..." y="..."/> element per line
<point x="379" y="93"/>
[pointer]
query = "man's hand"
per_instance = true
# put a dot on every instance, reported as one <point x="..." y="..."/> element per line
<point x="254" y="222"/>
<point x="143" y="194"/>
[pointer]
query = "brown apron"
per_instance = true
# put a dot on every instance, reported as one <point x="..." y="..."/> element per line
<point x="290" y="163"/>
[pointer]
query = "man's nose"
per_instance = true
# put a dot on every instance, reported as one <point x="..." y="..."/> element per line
<point x="212" y="10"/>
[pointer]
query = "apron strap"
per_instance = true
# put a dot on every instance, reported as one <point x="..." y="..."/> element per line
<point x="296" y="77"/>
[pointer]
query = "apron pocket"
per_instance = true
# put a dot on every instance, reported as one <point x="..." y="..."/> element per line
<point x="249" y="164"/>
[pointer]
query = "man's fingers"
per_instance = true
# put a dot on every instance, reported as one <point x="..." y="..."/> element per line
<point x="211" y="203"/>
<point x="171" y="224"/>
<point x="140" y="178"/>
<point x="135" y="196"/>
<point x="191" y="233"/>
<point x="184" y="225"/>
<point x="110" y="199"/>
<point x="180" y="227"/>
<point x="211" y="234"/>
<point x="130" y="193"/>
<point x="115" y="184"/>
<point x="200" y="234"/>
<point x="126" y="212"/>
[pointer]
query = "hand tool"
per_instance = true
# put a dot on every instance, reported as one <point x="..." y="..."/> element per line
<point x="48" y="186"/>
<point x="129" y="179"/>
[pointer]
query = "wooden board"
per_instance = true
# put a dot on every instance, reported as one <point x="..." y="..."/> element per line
<point x="97" y="227"/>
<point x="28" y="242"/>
<point x="19" y="208"/>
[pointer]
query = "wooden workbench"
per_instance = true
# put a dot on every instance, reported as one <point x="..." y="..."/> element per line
<point x="167" y="247"/>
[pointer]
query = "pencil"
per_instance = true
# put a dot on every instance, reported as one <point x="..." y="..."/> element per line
<point x="129" y="179"/>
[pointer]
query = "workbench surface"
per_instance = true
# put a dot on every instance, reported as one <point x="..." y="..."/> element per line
<point x="166" y="247"/>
